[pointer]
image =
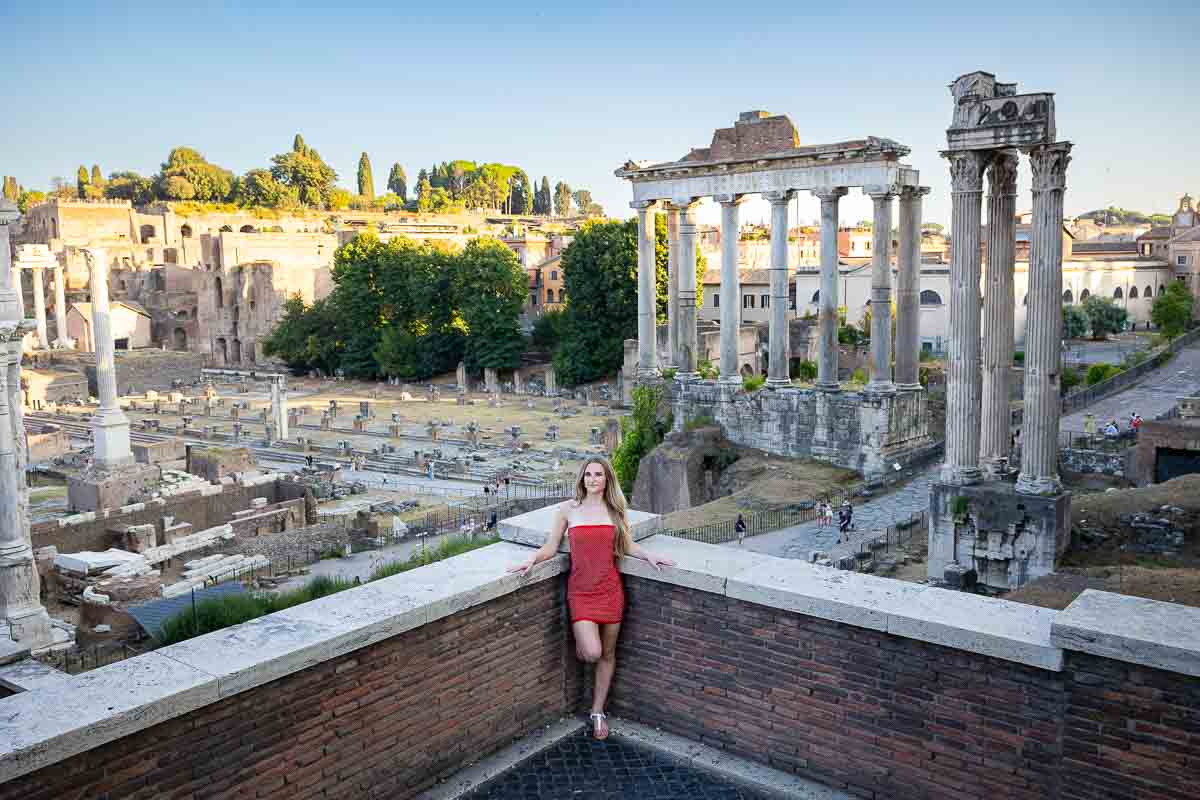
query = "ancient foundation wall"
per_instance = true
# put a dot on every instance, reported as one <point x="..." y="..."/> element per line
<point x="859" y="431"/>
<point x="377" y="692"/>
<point x="137" y="370"/>
<point x="214" y="506"/>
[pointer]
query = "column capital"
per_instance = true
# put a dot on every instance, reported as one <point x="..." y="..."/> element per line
<point x="1049" y="164"/>
<point x="881" y="193"/>
<point x="1002" y="173"/>
<point x="643" y="205"/>
<point x="966" y="169"/>
<point x="910" y="193"/>
<point x="777" y="196"/>
<point x="684" y="203"/>
<point x="830" y="193"/>
<point x="729" y="198"/>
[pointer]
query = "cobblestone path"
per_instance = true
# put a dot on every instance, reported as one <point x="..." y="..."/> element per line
<point x="871" y="519"/>
<point x="1151" y="396"/>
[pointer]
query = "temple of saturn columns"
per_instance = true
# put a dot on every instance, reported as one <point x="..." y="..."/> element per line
<point x="864" y="430"/>
<point x="20" y="606"/>
<point x="982" y="525"/>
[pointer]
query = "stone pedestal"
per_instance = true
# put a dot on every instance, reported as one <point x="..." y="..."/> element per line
<point x="280" y="418"/>
<point x="1007" y="538"/>
<point x="551" y="383"/>
<point x="110" y="426"/>
<point x="491" y="383"/>
<point x="460" y="375"/>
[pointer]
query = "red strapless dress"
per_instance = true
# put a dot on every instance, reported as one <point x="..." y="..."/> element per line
<point x="594" y="591"/>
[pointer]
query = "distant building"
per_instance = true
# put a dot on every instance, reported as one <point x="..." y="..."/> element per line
<point x="130" y="325"/>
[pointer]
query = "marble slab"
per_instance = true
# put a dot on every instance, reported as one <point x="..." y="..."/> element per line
<point x="1147" y="632"/>
<point x="532" y="528"/>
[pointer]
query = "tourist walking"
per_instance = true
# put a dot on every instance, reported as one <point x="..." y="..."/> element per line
<point x="596" y="523"/>
<point x="739" y="528"/>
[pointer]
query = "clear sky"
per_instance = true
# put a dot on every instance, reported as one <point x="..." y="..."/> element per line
<point x="573" y="91"/>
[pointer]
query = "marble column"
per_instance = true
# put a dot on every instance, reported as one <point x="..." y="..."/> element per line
<point x="778" y="374"/>
<point x="110" y="426"/>
<point x="827" y="318"/>
<point x="731" y="288"/>
<point x="908" y="290"/>
<point x="60" y="307"/>
<point x="881" y="294"/>
<point x="20" y="604"/>
<point x="39" y="306"/>
<point x="686" y="363"/>
<point x="647" y="292"/>
<point x="672" y="286"/>
<point x="962" y="358"/>
<point x="998" y="309"/>
<point x="279" y="416"/>
<point x="1043" y="326"/>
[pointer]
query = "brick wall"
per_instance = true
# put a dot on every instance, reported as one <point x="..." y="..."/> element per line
<point x="888" y="717"/>
<point x="387" y="720"/>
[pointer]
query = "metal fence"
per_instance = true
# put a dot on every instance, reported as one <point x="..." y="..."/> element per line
<point x="1100" y="442"/>
<point x="77" y="660"/>
<point x="887" y="541"/>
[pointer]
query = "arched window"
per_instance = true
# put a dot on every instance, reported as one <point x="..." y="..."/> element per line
<point x="549" y="295"/>
<point x="235" y="351"/>
<point x="1162" y="290"/>
<point x="226" y="229"/>
<point x="147" y="232"/>
<point x="562" y="295"/>
<point x="220" y="294"/>
<point x="1068" y="297"/>
<point x="930" y="298"/>
<point x="553" y="274"/>
<point x="1118" y="294"/>
<point x="180" y="339"/>
<point x="1084" y="295"/>
<point x="1148" y="294"/>
<point x="1133" y="293"/>
<point x="816" y="296"/>
<point x="220" y="352"/>
<point x="186" y="231"/>
<point x="248" y="229"/>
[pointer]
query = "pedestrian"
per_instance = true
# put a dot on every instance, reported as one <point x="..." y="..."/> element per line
<point x="827" y="514"/>
<point x="1135" y="424"/>
<point x="596" y="523"/>
<point x="739" y="528"/>
<point x="491" y="525"/>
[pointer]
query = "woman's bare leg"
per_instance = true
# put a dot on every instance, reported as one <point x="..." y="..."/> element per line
<point x="587" y="641"/>
<point x="605" y="668"/>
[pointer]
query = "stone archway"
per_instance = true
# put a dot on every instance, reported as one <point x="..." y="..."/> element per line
<point x="179" y="339"/>
<point x="220" y="352"/>
<point x="235" y="351"/>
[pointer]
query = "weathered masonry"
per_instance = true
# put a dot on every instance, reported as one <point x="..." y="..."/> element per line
<point x="762" y="154"/>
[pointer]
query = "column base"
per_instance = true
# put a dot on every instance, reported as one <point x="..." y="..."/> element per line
<point x="830" y="387"/>
<point x="779" y="383"/>
<point x="687" y="377"/>
<point x="959" y="476"/>
<point x="880" y="387"/>
<point x="730" y="380"/>
<point x="995" y="468"/>
<point x="651" y="374"/>
<point x="1039" y="485"/>
<point x="32" y="628"/>
<point x="909" y="387"/>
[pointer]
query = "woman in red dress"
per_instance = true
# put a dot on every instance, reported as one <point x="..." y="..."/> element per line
<point x="597" y="525"/>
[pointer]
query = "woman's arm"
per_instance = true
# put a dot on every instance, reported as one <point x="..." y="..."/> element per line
<point x="550" y="547"/>
<point x="637" y="551"/>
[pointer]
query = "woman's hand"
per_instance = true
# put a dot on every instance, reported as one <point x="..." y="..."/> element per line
<point x="523" y="567"/>
<point x="658" y="562"/>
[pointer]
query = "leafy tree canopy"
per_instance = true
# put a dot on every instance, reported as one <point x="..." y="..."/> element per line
<point x="1075" y="322"/>
<point x="1172" y="311"/>
<point x="1104" y="316"/>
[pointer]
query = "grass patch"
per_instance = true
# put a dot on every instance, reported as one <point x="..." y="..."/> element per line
<point x="700" y="421"/>
<point x="451" y="546"/>
<point x="752" y="383"/>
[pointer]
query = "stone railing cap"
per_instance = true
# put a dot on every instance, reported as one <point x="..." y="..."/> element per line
<point x="531" y="528"/>
<point x="1133" y="629"/>
<point x="990" y="627"/>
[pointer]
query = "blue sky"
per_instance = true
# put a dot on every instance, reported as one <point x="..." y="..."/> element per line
<point x="573" y="92"/>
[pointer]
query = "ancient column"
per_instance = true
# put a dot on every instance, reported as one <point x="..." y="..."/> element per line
<point x="60" y="306"/>
<point x="881" y="294"/>
<point x="647" y="291"/>
<point x="551" y="384"/>
<point x="686" y="364"/>
<point x="908" y="289"/>
<point x="672" y="286"/>
<point x="39" y="306"/>
<point x="827" y="319"/>
<point x="110" y="426"/>
<point x="731" y="291"/>
<point x="778" y="346"/>
<point x="1043" y="323"/>
<point x="962" y="361"/>
<point x="279" y="416"/>
<point x="998" y="308"/>
<point x="20" y="605"/>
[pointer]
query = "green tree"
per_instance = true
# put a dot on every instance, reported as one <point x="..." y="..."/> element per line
<point x="541" y="198"/>
<point x="11" y="190"/>
<point x="1104" y="316"/>
<point x="641" y="432"/>
<point x="258" y="187"/>
<point x="424" y="196"/>
<point x="130" y="186"/>
<point x="305" y="338"/>
<point x="600" y="276"/>
<point x="97" y="177"/>
<point x="1075" y="322"/>
<point x="1172" y="311"/>
<point x="583" y="199"/>
<point x="303" y="170"/>
<point x="29" y="198"/>
<point x="187" y="175"/>
<point x="490" y="289"/>
<point x="933" y="227"/>
<point x="398" y="182"/>
<point x="521" y="201"/>
<point x="548" y="329"/>
<point x="340" y="199"/>
<point x="594" y="210"/>
<point x="81" y="181"/>
<point x="562" y="199"/>
<point x="366" y="181"/>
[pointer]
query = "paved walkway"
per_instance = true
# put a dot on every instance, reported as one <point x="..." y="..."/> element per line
<point x="871" y="519"/>
<point x="1151" y="396"/>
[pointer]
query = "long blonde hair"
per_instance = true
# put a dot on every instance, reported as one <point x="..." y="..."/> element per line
<point x="614" y="501"/>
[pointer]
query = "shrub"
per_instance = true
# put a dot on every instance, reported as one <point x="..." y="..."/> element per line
<point x="669" y="373"/>
<point x="1101" y="372"/>
<point x="752" y="383"/>
<point x="700" y="421"/>
<point x="640" y="433"/>
<point x="1104" y="316"/>
<point x="926" y="355"/>
<point x="451" y="546"/>
<point x="1070" y="379"/>
<point x="706" y="369"/>
<point x="548" y="330"/>
<point x="806" y="371"/>
<point x="1019" y="357"/>
<point x="859" y="376"/>
<point x="1075" y="322"/>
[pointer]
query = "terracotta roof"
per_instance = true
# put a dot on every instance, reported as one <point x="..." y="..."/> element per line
<point x="1157" y="232"/>
<point x="754" y="276"/>
<point x="1104" y="247"/>
<point x="85" y="309"/>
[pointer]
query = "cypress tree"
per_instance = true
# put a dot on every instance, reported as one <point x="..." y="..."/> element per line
<point x="398" y="182"/>
<point x="11" y="190"/>
<point x="298" y="145"/>
<point x="545" y="193"/>
<point x="97" y="177"/>
<point x="81" y="181"/>
<point x="366" y="181"/>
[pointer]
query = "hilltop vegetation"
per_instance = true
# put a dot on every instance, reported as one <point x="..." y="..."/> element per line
<point x="1114" y="215"/>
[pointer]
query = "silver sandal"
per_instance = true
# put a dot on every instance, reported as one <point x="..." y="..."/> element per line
<point x="596" y="718"/>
